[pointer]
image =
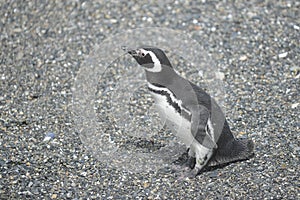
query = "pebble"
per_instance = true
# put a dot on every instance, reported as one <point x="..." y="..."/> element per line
<point x="48" y="137"/>
<point x="283" y="55"/>
<point x="296" y="27"/>
<point x="295" y="105"/>
<point x="220" y="75"/>
<point x="243" y="58"/>
<point x="295" y="69"/>
<point x="30" y="184"/>
<point x="69" y="194"/>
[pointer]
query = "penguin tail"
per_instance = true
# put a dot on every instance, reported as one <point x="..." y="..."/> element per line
<point x="242" y="149"/>
<point x="236" y="150"/>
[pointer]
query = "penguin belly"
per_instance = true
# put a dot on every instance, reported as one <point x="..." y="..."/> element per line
<point x="179" y="126"/>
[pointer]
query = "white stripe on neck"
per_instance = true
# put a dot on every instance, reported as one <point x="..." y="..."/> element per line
<point x="153" y="87"/>
<point x="173" y="98"/>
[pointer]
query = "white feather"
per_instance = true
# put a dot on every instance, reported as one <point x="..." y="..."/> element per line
<point x="168" y="114"/>
<point x="157" y="64"/>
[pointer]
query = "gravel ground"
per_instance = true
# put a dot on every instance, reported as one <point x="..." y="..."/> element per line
<point x="43" y="44"/>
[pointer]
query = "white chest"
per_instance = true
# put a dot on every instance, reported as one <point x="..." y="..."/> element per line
<point x="172" y="118"/>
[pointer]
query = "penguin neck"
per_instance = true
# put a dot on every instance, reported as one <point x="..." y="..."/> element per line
<point x="165" y="77"/>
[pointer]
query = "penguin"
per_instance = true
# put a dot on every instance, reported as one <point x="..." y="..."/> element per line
<point x="191" y="114"/>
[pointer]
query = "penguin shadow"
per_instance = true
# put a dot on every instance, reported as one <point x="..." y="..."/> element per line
<point x="141" y="145"/>
<point x="186" y="161"/>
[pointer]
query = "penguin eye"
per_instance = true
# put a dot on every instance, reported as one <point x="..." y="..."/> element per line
<point x="143" y="54"/>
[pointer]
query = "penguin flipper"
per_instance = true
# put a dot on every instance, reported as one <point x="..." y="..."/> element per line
<point x="236" y="150"/>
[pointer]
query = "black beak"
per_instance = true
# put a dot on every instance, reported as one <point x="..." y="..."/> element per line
<point x="132" y="52"/>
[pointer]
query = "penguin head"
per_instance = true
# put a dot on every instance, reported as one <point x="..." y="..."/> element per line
<point x="151" y="59"/>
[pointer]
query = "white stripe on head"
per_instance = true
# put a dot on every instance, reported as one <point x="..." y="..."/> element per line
<point x="157" y="65"/>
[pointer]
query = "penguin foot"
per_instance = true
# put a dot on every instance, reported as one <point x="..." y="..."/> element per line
<point x="186" y="161"/>
<point x="191" y="162"/>
<point x="196" y="171"/>
<point x="182" y="159"/>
